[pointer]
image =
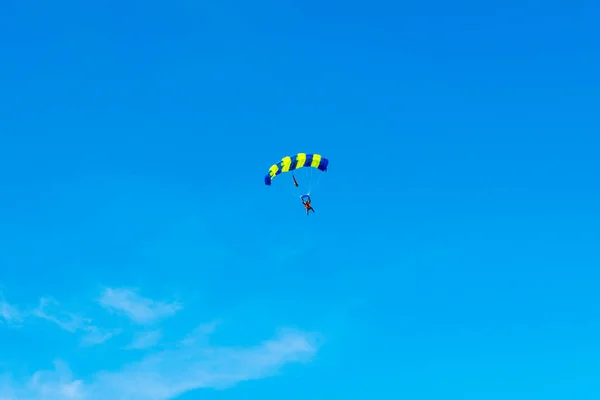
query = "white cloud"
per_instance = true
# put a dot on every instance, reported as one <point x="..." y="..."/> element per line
<point x="140" y="309"/>
<point x="190" y="364"/>
<point x="170" y="373"/>
<point x="9" y="313"/>
<point x="95" y="335"/>
<point x="145" y="340"/>
<point x="57" y="384"/>
<point x="50" y="310"/>
<point x="200" y="334"/>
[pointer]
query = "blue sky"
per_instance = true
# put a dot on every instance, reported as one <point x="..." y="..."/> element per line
<point x="454" y="249"/>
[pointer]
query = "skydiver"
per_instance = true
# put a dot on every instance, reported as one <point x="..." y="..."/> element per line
<point x="306" y="204"/>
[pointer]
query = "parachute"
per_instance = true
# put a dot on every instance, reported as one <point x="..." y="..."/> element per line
<point x="309" y="163"/>
<point x="292" y="163"/>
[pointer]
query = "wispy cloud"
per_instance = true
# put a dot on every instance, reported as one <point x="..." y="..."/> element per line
<point x="170" y="373"/>
<point x="140" y="309"/>
<point x="200" y="334"/>
<point x="57" y="384"/>
<point x="164" y="373"/>
<point x="50" y="310"/>
<point x="95" y="335"/>
<point x="145" y="340"/>
<point x="9" y="313"/>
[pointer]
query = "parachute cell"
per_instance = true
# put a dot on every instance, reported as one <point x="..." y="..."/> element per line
<point x="291" y="163"/>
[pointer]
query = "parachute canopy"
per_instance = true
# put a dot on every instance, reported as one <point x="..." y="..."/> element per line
<point x="290" y="163"/>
